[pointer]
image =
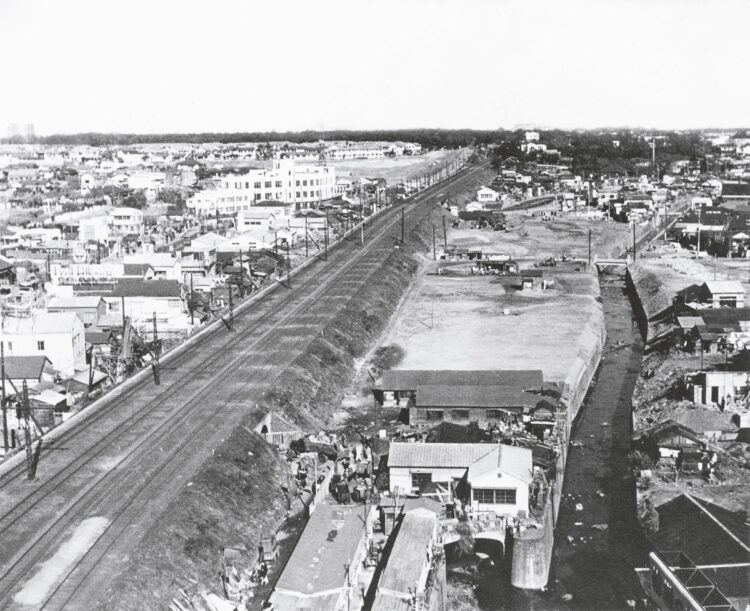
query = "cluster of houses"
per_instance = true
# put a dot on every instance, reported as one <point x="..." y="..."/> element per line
<point x="87" y="289"/>
<point x="480" y="454"/>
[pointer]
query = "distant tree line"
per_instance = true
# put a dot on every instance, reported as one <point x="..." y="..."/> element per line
<point x="428" y="138"/>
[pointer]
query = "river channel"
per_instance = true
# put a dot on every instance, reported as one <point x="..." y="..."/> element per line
<point x="597" y="539"/>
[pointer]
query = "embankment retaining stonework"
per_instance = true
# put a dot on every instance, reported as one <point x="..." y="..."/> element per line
<point x="532" y="554"/>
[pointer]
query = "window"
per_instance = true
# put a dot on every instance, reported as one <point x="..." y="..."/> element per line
<point x="269" y="195"/>
<point x="247" y="185"/>
<point x="304" y="193"/>
<point x="459" y="414"/>
<point x="297" y="193"/>
<point x="278" y="184"/>
<point x="434" y="414"/>
<point x="420" y="480"/>
<point x="484" y="496"/>
<point x="494" y="414"/>
<point x="40" y="345"/>
<point x="297" y="183"/>
<point x="491" y="496"/>
<point x="10" y="346"/>
<point x="268" y="184"/>
<point x="304" y="183"/>
<point x="257" y="197"/>
<point x="256" y="185"/>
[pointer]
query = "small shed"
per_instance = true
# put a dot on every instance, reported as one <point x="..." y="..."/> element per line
<point x="532" y="279"/>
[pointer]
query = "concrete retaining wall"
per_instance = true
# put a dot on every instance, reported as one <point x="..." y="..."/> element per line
<point x="532" y="555"/>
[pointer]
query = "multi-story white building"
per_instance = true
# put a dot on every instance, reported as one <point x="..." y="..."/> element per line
<point x="57" y="335"/>
<point x="124" y="221"/>
<point x="302" y="186"/>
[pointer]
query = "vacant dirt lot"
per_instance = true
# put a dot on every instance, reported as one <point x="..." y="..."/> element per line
<point x="531" y="238"/>
<point x="392" y="168"/>
<point x="460" y="321"/>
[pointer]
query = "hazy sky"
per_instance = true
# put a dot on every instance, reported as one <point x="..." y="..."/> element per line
<point x="156" y="66"/>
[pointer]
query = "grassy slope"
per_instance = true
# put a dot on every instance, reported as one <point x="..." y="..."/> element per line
<point x="235" y="499"/>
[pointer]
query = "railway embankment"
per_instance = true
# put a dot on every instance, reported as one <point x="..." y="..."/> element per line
<point x="238" y="496"/>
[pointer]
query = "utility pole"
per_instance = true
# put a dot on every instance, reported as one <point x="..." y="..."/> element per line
<point x="288" y="268"/>
<point x="155" y="368"/>
<point x="192" y="304"/>
<point x="361" y="222"/>
<point x="589" y="246"/>
<point x="698" y="245"/>
<point x="445" y="235"/>
<point x="4" y="402"/>
<point x="434" y="251"/>
<point x="402" y="223"/>
<point x="325" y="250"/>
<point x="32" y="454"/>
<point x="231" y="306"/>
<point x="306" y="237"/>
<point x="242" y="276"/>
<point x="634" y="240"/>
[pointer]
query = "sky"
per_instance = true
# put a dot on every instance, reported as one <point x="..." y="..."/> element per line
<point x="151" y="66"/>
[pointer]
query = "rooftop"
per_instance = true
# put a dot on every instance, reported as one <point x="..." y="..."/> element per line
<point x="447" y="455"/>
<point x="408" y="555"/>
<point x="474" y="396"/>
<point x="25" y="367"/>
<point x="405" y="379"/>
<point x="707" y="533"/>
<point x="74" y="302"/>
<point x="40" y="322"/>
<point x="137" y="287"/>
<point x="725" y="286"/>
<point x="327" y="545"/>
<point x="513" y="460"/>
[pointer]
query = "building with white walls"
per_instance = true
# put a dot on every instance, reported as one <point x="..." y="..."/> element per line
<point x="57" y="335"/>
<point x="301" y="186"/>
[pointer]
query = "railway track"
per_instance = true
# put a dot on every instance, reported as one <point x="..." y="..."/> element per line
<point x="143" y="445"/>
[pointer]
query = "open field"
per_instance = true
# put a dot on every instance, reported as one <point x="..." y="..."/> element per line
<point x="459" y="321"/>
<point x="394" y="168"/>
<point x="531" y="238"/>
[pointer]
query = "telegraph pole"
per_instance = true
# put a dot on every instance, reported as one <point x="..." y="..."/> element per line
<point x="192" y="303"/>
<point x="155" y="369"/>
<point x="434" y="251"/>
<point x="445" y="235"/>
<point x="288" y="267"/>
<point x="589" y="246"/>
<point x="231" y="306"/>
<point x="402" y="223"/>
<point x="361" y="221"/>
<point x="4" y="402"/>
<point x="306" y="237"/>
<point x="325" y="251"/>
<point x="633" y="240"/>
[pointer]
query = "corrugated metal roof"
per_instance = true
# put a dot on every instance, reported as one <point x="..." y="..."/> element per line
<point x="446" y="455"/>
<point x="512" y="460"/>
<point x="407" y="558"/>
<point x="409" y="379"/>
<point x="474" y="396"/>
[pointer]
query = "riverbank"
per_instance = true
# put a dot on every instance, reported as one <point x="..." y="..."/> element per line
<point x="657" y="396"/>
